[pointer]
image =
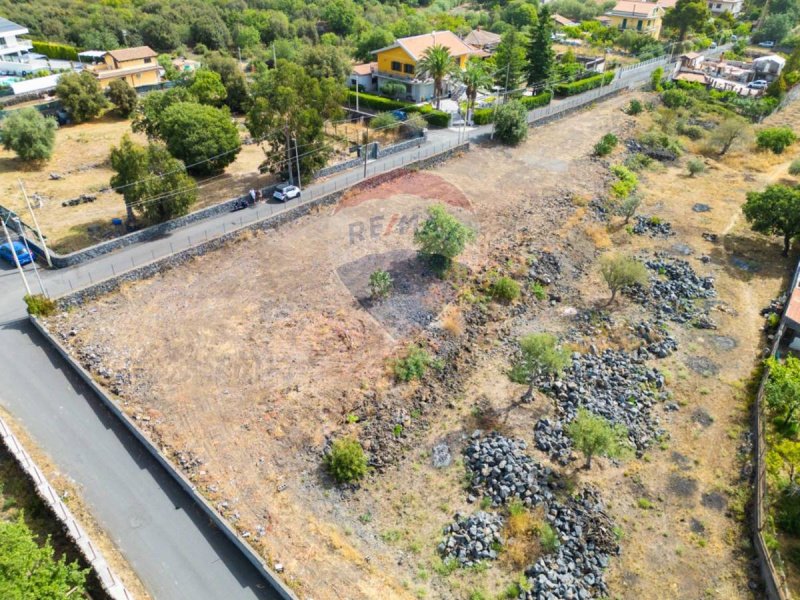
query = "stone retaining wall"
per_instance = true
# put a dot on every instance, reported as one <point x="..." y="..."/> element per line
<point x="110" y="583"/>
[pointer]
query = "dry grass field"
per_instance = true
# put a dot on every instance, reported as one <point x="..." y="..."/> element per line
<point x="245" y="363"/>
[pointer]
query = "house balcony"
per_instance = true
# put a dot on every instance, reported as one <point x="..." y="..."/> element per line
<point x="647" y="29"/>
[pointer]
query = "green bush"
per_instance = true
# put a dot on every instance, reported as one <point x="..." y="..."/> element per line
<point x="661" y="141"/>
<point x="626" y="182"/>
<point x="383" y="121"/>
<point x="511" y="123"/>
<point x="539" y="100"/>
<point x="693" y="132"/>
<point x="437" y="118"/>
<point x="55" y="50"/>
<point x="538" y="290"/>
<point x="504" y="289"/>
<point x="794" y="168"/>
<point x="638" y="161"/>
<point x="696" y="166"/>
<point x="675" y="98"/>
<point x="583" y="85"/>
<point x="548" y="538"/>
<point x="376" y="102"/>
<point x="606" y="145"/>
<point x="380" y="284"/>
<point x="346" y="461"/>
<point x="635" y="107"/>
<point x="776" y="139"/>
<point x="482" y="116"/>
<point x="39" y="305"/>
<point x="414" y="365"/>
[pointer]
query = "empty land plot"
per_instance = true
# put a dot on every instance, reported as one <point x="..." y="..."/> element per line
<point x="245" y="362"/>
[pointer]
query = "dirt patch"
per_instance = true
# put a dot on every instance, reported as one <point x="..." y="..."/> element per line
<point x="424" y="184"/>
<point x="702" y="365"/>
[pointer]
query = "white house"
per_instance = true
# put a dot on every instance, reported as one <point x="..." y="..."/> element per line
<point x="717" y="7"/>
<point x="11" y="48"/>
<point x="768" y="67"/>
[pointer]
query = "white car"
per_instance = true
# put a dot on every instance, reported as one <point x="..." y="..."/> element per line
<point x="286" y="192"/>
<point x="758" y="84"/>
<point x="767" y="44"/>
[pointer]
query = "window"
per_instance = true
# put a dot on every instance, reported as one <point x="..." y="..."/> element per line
<point x="396" y="66"/>
<point x="624" y="23"/>
<point x="639" y="25"/>
<point x="408" y="69"/>
<point x="148" y="60"/>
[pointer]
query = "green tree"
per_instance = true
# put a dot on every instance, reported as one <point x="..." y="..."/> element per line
<point x="209" y="30"/>
<point x="474" y="77"/>
<point x="372" y="39"/>
<point x="725" y="135"/>
<point x="170" y="72"/>
<point x="346" y="461"/>
<point x="436" y="63"/>
<point x="393" y="89"/>
<point x="775" y="211"/>
<point x="696" y="166"/>
<point x="81" y="95"/>
<point x="540" y="50"/>
<point x="341" y="16"/>
<point x="442" y="237"/>
<point x="629" y="206"/>
<point x="594" y="436"/>
<point x="776" y="139"/>
<point x="787" y="451"/>
<point x="655" y="79"/>
<point x="123" y="96"/>
<point x="205" y="138"/>
<point x="160" y="33"/>
<point x="687" y="15"/>
<point x="237" y="93"/>
<point x="511" y="123"/>
<point x="207" y="87"/>
<point x="290" y="104"/>
<point x="247" y="37"/>
<point x="783" y="388"/>
<point x="619" y="271"/>
<point x="152" y="183"/>
<point x="509" y="60"/>
<point x="322" y="61"/>
<point x="147" y="118"/>
<point x="31" y="571"/>
<point x="29" y="134"/>
<point x="540" y="356"/>
<point x="520" y="14"/>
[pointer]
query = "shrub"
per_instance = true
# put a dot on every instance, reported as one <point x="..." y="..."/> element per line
<point x="693" y="132"/>
<point x="776" y="139"/>
<point x="661" y="141"/>
<point x="442" y="237"/>
<point x="376" y="102"/>
<point x="383" y="121"/>
<point x="414" y="365"/>
<point x="538" y="290"/>
<point x="346" y="461"/>
<point x="675" y="98"/>
<point x="629" y="206"/>
<point x="655" y="79"/>
<point x="548" y="538"/>
<point x="55" y="50"/>
<point x="626" y="182"/>
<point x="635" y="107"/>
<point x="511" y="123"/>
<point x="595" y="436"/>
<point x="504" y="289"/>
<point x="794" y="168"/>
<point x="606" y="145"/>
<point x="620" y="271"/>
<point x="380" y="284"/>
<point x="29" y="134"/>
<point x="436" y="118"/>
<point x="696" y="166"/>
<point x="394" y="90"/>
<point x="39" y="305"/>
<point x="583" y="85"/>
<point x="637" y="162"/>
<point x="531" y="102"/>
<point x="80" y="94"/>
<point x="123" y="96"/>
<point x="727" y="133"/>
<point x="482" y="116"/>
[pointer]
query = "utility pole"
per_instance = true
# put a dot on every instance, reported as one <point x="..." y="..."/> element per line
<point x="297" y="159"/>
<point x="357" y="96"/>
<point x="366" y="148"/>
<point x="36" y="224"/>
<point x="16" y="259"/>
<point x="274" y="58"/>
<point x="33" y="262"/>
<point x="288" y="152"/>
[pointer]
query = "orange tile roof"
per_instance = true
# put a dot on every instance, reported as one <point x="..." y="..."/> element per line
<point x="125" y="54"/>
<point x="480" y="37"/>
<point x="638" y="9"/>
<point x="364" y="69"/>
<point x="415" y="46"/>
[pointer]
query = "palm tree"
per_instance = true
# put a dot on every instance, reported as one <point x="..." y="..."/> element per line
<point x="474" y="77"/>
<point x="437" y="64"/>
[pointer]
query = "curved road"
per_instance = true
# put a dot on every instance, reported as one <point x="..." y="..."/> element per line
<point x="175" y="551"/>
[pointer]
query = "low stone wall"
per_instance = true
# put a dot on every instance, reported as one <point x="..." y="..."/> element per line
<point x="400" y="146"/>
<point x="110" y="583"/>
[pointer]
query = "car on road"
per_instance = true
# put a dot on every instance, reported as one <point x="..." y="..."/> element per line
<point x="23" y="255"/>
<point x="767" y="44"/>
<point x="286" y="192"/>
<point x="758" y="84"/>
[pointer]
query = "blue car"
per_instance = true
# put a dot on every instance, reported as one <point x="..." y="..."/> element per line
<point x="19" y="249"/>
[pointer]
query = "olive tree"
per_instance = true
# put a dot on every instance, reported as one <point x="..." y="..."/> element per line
<point x="29" y="134"/>
<point x="595" y="436"/>
<point x="775" y="211"/>
<point x="540" y="355"/>
<point x="619" y="271"/>
<point x="442" y="237"/>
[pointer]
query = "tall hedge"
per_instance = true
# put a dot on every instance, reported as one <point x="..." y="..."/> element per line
<point x="435" y="118"/>
<point x="484" y="116"/>
<point x="55" y="50"/>
<point x="583" y="85"/>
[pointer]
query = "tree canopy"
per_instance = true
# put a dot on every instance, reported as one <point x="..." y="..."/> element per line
<point x="595" y="436"/>
<point x="441" y="236"/>
<point x="540" y="50"/>
<point x="123" y="96"/>
<point x="81" y="95"/>
<point x="207" y="87"/>
<point x="436" y="63"/>
<point x="619" y="271"/>
<point x="29" y="134"/>
<point x="687" y="15"/>
<point x="775" y="211"/>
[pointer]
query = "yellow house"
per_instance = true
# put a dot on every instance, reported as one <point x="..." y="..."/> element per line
<point x="137" y="66"/>
<point x="642" y="17"/>
<point x="398" y="63"/>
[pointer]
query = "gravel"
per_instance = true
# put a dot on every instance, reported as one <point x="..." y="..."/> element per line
<point x="471" y="539"/>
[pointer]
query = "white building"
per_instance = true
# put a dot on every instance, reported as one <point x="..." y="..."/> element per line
<point x="717" y="7"/>
<point x="11" y="48"/>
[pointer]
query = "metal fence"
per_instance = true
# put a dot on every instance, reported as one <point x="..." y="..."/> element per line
<point x="774" y="578"/>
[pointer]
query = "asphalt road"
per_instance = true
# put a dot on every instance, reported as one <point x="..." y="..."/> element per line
<point x="172" y="547"/>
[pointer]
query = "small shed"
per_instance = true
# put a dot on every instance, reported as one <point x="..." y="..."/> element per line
<point x="363" y="76"/>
